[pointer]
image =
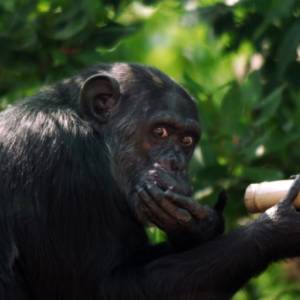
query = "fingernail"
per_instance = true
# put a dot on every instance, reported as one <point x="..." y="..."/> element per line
<point x="187" y="218"/>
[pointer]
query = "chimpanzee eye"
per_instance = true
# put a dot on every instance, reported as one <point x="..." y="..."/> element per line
<point x="161" y="132"/>
<point x="187" y="141"/>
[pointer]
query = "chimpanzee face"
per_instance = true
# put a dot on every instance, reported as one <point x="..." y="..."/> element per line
<point x="151" y="133"/>
<point x="157" y="142"/>
<point x="170" y="131"/>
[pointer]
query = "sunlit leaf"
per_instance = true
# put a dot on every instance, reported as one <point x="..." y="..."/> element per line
<point x="268" y="106"/>
<point x="287" y="51"/>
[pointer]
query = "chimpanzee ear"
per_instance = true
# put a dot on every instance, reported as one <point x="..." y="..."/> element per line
<point x="99" y="95"/>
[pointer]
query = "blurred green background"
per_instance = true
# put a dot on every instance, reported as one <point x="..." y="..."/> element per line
<point x="240" y="59"/>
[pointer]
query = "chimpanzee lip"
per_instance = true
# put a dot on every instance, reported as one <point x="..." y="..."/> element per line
<point x="155" y="176"/>
<point x="156" y="179"/>
<point x="162" y="184"/>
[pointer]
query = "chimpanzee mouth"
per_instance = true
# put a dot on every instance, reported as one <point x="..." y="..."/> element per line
<point x="165" y="180"/>
<point x="155" y="177"/>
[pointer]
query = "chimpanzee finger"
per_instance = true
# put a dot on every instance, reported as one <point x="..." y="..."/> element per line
<point x="221" y="202"/>
<point x="288" y="200"/>
<point x="181" y="215"/>
<point x="137" y="206"/>
<point x="196" y="210"/>
<point x="154" y="212"/>
<point x="140" y="213"/>
<point x="150" y="218"/>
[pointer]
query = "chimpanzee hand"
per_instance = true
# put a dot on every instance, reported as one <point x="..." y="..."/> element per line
<point x="185" y="221"/>
<point x="283" y="224"/>
<point x="201" y="229"/>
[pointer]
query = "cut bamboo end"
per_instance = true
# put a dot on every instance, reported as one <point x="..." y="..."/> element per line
<point x="261" y="196"/>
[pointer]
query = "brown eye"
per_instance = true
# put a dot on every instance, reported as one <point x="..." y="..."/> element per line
<point x="161" y="132"/>
<point x="187" y="141"/>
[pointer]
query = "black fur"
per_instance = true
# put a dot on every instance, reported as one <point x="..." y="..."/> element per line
<point x="67" y="230"/>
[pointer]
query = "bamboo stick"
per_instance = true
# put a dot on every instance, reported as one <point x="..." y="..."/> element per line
<point x="261" y="196"/>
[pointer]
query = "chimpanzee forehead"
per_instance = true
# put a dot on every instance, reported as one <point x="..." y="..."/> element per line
<point x="181" y="104"/>
<point x="151" y="91"/>
<point x="174" y="101"/>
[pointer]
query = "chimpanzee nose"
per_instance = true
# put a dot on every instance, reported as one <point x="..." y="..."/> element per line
<point x="175" y="162"/>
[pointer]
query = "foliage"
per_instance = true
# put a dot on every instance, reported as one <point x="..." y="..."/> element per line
<point x="43" y="40"/>
<point x="241" y="63"/>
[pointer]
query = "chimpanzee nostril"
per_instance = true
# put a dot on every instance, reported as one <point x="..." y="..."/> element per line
<point x="177" y="163"/>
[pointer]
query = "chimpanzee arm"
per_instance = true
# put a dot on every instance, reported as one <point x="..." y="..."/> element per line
<point x="214" y="270"/>
<point x="222" y="266"/>
<point x="217" y="269"/>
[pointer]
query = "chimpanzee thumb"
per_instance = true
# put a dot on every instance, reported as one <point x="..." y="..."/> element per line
<point x="221" y="202"/>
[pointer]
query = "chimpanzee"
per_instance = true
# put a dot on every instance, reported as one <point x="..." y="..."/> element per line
<point x="85" y="164"/>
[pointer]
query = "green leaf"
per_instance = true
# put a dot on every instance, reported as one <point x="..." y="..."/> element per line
<point x="268" y="106"/>
<point x="232" y="108"/>
<point x="287" y="51"/>
<point x="251" y="89"/>
<point x="67" y="25"/>
<point x="108" y="35"/>
<point x="69" y="30"/>
<point x="257" y="174"/>
<point x="95" y="10"/>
